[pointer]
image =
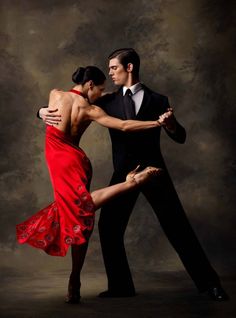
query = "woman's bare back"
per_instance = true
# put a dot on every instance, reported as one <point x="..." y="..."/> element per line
<point x="72" y="109"/>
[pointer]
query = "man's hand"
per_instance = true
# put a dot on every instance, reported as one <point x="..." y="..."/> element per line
<point x="49" y="116"/>
<point x="168" y="120"/>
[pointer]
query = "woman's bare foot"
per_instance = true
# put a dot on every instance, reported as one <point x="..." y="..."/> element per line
<point x="131" y="174"/>
<point x="144" y="175"/>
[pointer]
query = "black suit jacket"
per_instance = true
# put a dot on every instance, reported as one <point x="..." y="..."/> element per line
<point x="132" y="148"/>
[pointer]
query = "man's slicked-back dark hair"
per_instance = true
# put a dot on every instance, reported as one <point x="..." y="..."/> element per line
<point x="126" y="56"/>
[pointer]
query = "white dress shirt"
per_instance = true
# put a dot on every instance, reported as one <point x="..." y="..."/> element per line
<point x="137" y="95"/>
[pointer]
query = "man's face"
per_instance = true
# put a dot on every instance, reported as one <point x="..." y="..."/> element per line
<point x="117" y="72"/>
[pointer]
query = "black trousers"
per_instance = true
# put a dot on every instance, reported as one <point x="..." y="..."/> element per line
<point x="164" y="200"/>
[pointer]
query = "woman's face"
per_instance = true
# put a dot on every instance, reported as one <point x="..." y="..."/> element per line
<point x="95" y="91"/>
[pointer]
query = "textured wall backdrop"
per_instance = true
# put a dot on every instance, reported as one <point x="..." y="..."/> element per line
<point x="187" y="52"/>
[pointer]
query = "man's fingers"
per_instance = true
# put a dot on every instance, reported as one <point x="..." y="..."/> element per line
<point x="49" y="122"/>
<point x="53" y="116"/>
<point x="54" y="120"/>
<point x="52" y="110"/>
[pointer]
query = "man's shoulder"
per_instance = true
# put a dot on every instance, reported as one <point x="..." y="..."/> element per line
<point x="107" y="98"/>
<point x="153" y="93"/>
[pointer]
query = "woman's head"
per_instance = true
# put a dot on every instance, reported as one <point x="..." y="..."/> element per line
<point x="92" y="79"/>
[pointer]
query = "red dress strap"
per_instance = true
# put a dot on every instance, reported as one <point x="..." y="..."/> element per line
<point x="77" y="92"/>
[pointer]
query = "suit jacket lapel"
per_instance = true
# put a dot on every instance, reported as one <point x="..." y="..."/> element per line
<point x="117" y="108"/>
<point x="145" y="102"/>
<point x="122" y="105"/>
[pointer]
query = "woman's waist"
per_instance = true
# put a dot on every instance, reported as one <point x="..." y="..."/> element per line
<point x="57" y="132"/>
<point x="59" y="140"/>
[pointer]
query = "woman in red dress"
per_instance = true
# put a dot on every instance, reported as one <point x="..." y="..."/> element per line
<point x="69" y="220"/>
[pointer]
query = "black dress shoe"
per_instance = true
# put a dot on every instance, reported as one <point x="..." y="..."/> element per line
<point x="111" y="294"/>
<point x="217" y="293"/>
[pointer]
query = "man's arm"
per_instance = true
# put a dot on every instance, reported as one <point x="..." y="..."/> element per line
<point x="173" y="129"/>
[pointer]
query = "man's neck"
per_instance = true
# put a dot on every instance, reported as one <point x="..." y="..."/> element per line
<point x="131" y="82"/>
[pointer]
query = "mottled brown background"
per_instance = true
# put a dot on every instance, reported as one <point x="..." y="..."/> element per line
<point x="187" y="52"/>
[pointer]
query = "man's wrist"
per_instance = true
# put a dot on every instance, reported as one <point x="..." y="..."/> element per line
<point x="38" y="114"/>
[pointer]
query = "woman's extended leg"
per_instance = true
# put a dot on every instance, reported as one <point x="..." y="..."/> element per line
<point x="133" y="180"/>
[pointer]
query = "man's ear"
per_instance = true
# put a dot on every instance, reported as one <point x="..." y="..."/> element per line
<point x="130" y="67"/>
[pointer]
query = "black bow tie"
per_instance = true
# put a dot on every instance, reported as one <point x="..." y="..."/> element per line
<point x="129" y="105"/>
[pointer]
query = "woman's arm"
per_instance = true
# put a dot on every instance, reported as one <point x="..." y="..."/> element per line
<point x="95" y="113"/>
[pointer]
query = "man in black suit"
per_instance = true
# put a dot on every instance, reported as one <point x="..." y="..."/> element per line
<point x="135" y="100"/>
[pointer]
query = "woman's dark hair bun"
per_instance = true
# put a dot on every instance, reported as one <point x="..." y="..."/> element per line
<point x="85" y="74"/>
<point x="78" y="75"/>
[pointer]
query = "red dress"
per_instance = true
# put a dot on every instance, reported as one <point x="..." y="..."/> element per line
<point x="70" y="218"/>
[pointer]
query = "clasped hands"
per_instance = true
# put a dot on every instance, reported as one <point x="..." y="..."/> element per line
<point x="167" y="120"/>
